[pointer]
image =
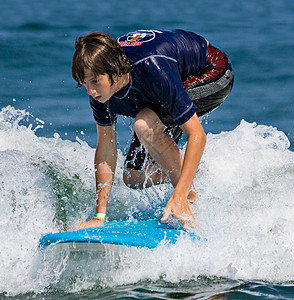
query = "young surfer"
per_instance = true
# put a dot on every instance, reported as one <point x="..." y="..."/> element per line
<point x="165" y="80"/>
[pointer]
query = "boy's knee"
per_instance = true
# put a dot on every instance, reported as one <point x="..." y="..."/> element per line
<point x="133" y="179"/>
<point x="146" y="125"/>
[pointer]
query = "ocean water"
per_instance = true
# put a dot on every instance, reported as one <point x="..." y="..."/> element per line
<point x="48" y="136"/>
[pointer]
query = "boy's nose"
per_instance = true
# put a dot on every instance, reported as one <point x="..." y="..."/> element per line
<point x="90" y="91"/>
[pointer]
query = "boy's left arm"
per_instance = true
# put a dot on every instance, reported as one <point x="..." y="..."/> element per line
<point x="178" y="205"/>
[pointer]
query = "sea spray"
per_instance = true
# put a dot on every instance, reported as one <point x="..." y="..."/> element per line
<point x="34" y="180"/>
<point x="46" y="185"/>
<point x="245" y="184"/>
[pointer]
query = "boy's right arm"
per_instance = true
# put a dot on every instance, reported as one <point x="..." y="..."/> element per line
<point x="105" y="164"/>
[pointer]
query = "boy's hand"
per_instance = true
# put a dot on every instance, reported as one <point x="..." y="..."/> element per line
<point x="180" y="208"/>
<point x="92" y="223"/>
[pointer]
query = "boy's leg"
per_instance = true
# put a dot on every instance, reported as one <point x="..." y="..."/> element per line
<point x="142" y="171"/>
<point x="163" y="148"/>
<point x="139" y="179"/>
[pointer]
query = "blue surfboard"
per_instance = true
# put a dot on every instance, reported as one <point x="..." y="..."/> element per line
<point x="149" y="234"/>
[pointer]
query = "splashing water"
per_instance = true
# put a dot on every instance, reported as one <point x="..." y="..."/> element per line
<point x="246" y="194"/>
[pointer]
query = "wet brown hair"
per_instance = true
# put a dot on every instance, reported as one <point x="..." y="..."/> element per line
<point x="101" y="54"/>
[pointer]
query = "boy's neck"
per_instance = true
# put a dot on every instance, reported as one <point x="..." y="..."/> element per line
<point x="122" y="81"/>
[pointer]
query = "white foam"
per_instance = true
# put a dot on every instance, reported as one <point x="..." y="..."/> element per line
<point x="245" y="183"/>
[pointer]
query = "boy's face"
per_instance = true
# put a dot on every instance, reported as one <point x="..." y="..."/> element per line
<point x="99" y="87"/>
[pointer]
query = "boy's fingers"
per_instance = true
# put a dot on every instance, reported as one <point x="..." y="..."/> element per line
<point x="166" y="215"/>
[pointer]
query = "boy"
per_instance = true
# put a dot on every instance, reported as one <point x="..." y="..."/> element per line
<point x="165" y="80"/>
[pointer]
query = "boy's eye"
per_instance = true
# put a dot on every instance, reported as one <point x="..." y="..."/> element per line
<point x="95" y="80"/>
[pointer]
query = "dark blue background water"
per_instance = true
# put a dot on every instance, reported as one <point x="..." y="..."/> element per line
<point x="36" y="48"/>
<point x="37" y="39"/>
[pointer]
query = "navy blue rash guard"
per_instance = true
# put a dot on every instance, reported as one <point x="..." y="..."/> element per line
<point x="161" y="61"/>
